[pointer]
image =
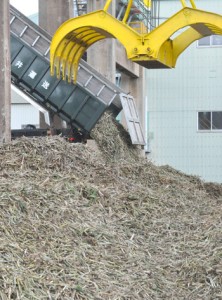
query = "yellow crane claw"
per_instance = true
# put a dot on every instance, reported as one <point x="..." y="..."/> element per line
<point x="158" y="48"/>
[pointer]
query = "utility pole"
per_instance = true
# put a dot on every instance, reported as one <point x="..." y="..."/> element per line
<point x="5" y="74"/>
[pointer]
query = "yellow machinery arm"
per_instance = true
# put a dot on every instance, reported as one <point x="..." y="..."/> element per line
<point x="155" y="49"/>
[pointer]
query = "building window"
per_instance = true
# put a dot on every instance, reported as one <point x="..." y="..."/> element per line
<point x="210" y="41"/>
<point x="209" y="120"/>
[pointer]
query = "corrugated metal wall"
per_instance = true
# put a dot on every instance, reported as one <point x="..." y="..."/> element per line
<point x="174" y="98"/>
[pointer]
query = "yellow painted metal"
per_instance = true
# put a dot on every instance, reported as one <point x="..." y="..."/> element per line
<point x="127" y="11"/>
<point x="191" y="1"/>
<point x="159" y="48"/>
<point x="183" y="3"/>
<point x="139" y="27"/>
<point x="83" y="32"/>
<point x="146" y="2"/>
<point x="204" y="23"/>
<point x="106" y="7"/>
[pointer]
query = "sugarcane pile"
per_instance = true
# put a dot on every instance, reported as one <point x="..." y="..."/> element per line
<point x="105" y="224"/>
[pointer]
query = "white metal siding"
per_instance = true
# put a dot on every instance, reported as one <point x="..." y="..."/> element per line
<point x="22" y="114"/>
<point x="174" y="98"/>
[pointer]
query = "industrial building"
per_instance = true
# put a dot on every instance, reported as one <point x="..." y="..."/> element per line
<point x="184" y="107"/>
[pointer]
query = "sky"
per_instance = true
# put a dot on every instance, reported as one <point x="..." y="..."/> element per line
<point x="27" y="7"/>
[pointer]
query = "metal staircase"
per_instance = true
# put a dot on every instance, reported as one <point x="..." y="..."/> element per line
<point x="138" y="12"/>
<point x="80" y="7"/>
